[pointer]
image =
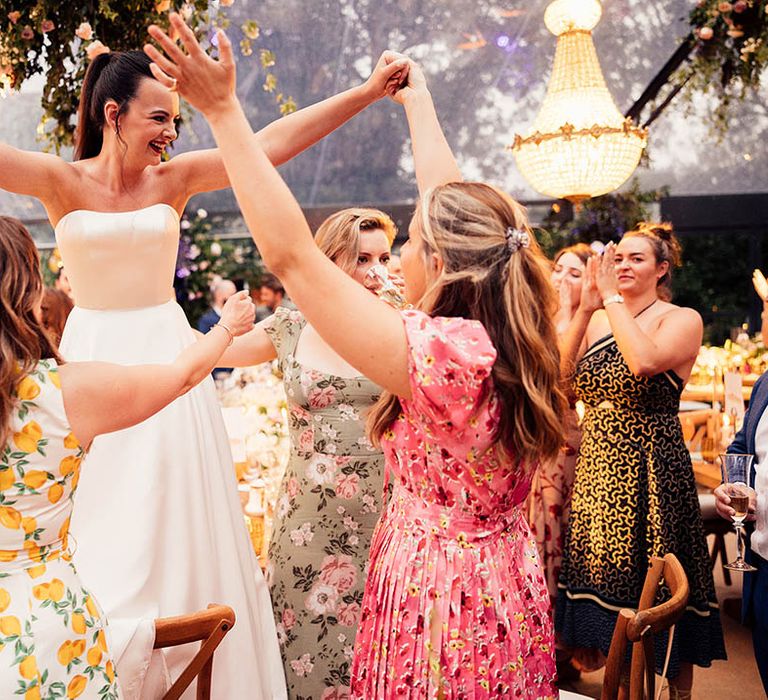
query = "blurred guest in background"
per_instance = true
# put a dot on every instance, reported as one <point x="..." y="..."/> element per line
<point x="549" y="500"/>
<point x="220" y="291"/>
<point x="271" y="295"/>
<point x="55" y="309"/>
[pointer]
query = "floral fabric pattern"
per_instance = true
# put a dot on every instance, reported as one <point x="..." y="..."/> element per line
<point x="455" y="603"/>
<point x="52" y="632"/>
<point x="327" y="508"/>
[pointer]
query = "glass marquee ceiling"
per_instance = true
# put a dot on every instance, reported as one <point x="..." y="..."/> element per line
<point x="487" y="64"/>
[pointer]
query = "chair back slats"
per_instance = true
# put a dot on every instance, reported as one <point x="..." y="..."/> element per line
<point x="209" y="627"/>
<point x="664" y="615"/>
<point x="615" y="661"/>
<point x="639" y="628"/>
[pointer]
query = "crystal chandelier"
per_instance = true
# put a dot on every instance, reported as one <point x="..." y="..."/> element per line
<point x="580" y="145"/>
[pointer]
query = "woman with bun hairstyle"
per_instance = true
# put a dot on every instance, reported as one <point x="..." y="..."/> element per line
<point x="634" y="494"/>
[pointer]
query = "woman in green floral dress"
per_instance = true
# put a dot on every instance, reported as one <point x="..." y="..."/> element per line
<point x="330" y="497"/>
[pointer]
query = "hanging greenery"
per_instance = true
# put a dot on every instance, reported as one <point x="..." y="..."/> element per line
<point x="600" y="219"/>
<point x="731" y="54"/>
<point x="58" y="39"/>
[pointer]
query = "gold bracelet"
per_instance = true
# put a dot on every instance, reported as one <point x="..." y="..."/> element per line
<point x="231" y="334"/>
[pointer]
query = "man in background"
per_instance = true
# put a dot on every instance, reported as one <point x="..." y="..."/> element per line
<point x="271" y="295"/>
<point x="220" y="291"/>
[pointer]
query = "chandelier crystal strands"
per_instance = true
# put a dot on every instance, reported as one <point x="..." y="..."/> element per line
<point x="579" y="145"/>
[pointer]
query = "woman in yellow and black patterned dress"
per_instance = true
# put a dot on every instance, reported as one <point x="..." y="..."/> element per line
<point x="634" y="494"/>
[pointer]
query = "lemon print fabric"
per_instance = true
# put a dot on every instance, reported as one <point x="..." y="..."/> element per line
<point x="53" y="635"/>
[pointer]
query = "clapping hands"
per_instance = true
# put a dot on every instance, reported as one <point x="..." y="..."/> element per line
<point x="605" y="271"/>
<point x="591" y="299"/>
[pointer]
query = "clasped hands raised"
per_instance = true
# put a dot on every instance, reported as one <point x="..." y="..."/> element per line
<point x="209" y="84"/>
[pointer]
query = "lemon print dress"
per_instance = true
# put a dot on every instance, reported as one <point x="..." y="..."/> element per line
<point x="52" y="632"/>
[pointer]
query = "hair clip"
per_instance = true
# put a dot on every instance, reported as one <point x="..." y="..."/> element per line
<point x="516" y="239"/>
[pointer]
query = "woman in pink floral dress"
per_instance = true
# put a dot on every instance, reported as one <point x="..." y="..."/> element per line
<point x="455" y="604"/>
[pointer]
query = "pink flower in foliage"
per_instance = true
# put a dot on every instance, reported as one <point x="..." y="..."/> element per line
<point x="306" y="440"/>
<point x="349" y="615"/>
<point x="320" y="398"/>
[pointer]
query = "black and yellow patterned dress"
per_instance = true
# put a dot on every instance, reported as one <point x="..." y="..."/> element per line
<point x="634" y="497"/>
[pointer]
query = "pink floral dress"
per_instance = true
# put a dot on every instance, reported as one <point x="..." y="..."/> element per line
<point x="455" y="603"/>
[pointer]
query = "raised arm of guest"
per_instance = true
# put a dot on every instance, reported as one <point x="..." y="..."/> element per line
<point x="286" y="137"/>
<point x="350" y="319"/>
<point x="761" y="287"/>
<point x="114" y="90"/>
<point x="101" y="397"/>
<point x="432" y="156"/>
<point x="633" y="279"/>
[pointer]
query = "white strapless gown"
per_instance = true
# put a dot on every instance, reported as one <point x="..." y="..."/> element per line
<point x="157" y="523"/>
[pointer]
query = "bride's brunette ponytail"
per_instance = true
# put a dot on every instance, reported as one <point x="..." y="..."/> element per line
<point x="110" y="76"/>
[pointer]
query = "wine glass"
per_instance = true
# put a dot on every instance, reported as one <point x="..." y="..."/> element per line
<point x="377" y="279"/>
<point x="737" y="475"/>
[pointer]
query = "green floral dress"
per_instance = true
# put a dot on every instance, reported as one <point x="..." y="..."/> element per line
<point x="326" y="511"/>
<point x="52" y="632"/>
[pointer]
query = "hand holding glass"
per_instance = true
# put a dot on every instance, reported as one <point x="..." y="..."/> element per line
<point x="737" y="476"/>
<point x="377" y="279"/>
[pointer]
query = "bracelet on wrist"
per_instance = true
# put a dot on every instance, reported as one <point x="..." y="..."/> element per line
<point x="229" y="332"/>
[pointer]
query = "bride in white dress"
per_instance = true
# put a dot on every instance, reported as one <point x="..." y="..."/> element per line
<point x="159" y="529"/>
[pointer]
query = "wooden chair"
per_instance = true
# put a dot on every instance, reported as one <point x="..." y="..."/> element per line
<point x="207" y="626"/>
<point x="638" y="628"/>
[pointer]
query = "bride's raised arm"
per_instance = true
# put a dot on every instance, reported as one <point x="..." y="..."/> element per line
<point x="30" y="173"/>
<point x="286" y="137"/>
